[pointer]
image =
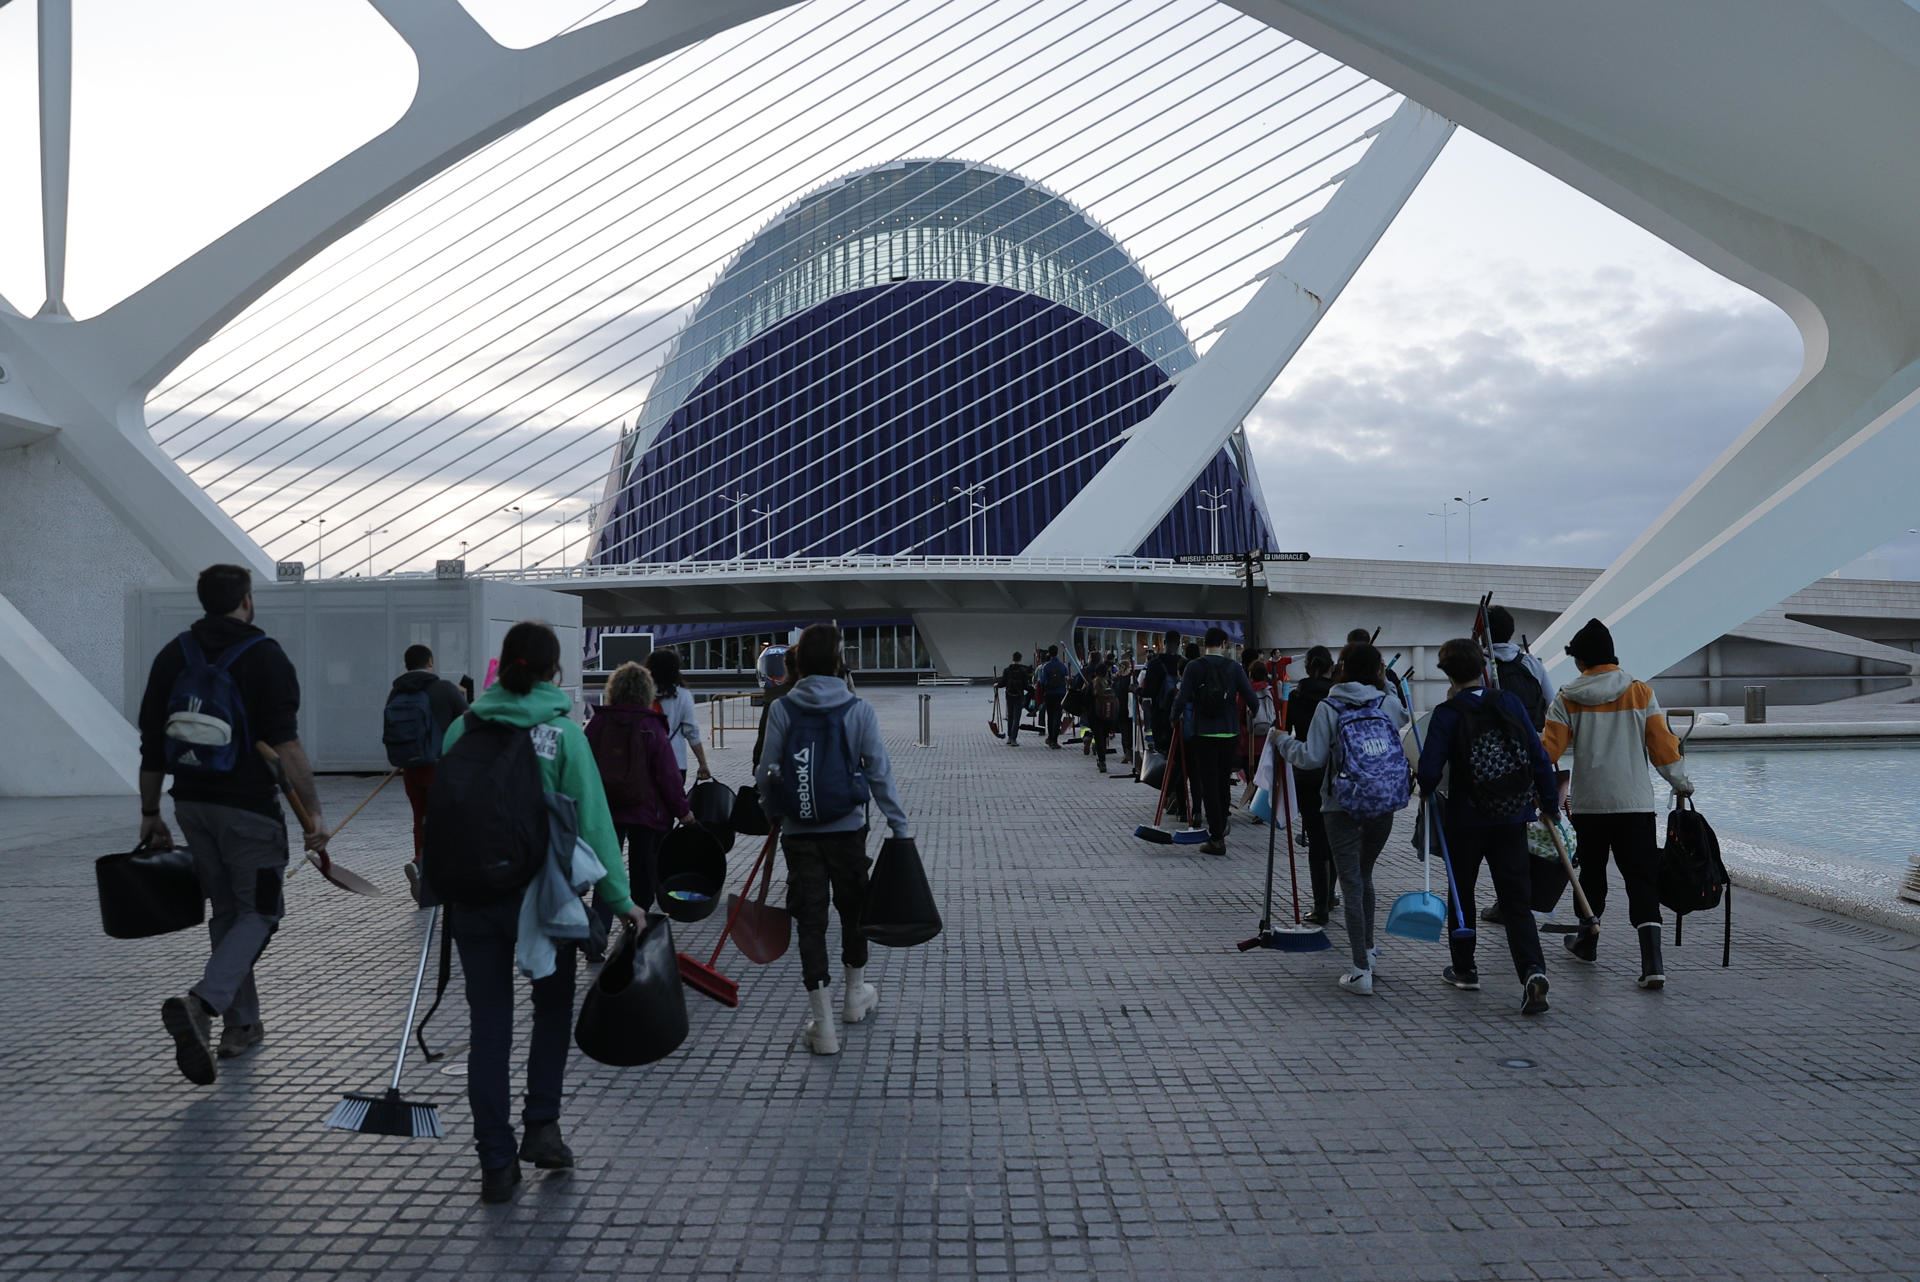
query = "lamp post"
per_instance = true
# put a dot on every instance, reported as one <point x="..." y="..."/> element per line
<point x="1446" y="530"/>
<point x="1216" y="505"/>
<point x="370" y="532"/>
<point x="522" y="521"/>
<point x="969" y="494"/>
<point x="766" y="549"/>
<point x="563" y="521"/>
<point x="319" y="545"/>
<point x="739" y="523"/>
<point x="1470" y="503"/>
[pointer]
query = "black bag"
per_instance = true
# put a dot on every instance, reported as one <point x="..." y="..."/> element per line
<point x="1517" y="678"/>
<point x="1211" y="689"/>
<point x="147" y="892"/>
<point x="1499" y="770"/>
<point x="712" y="804"/>
<point x="1692" y="877"/>
<point x="1155" y="771"/>
<point x="636" y="1011"/>
<point x="749" y="816"/>
<point x="900" y="908"/>
<point x="486" y="822"/>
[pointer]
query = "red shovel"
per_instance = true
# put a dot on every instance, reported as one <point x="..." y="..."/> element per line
<point x="338" y="874"/>
<point x="706" y="979"/>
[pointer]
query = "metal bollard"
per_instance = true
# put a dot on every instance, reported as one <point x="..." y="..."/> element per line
<point x="1756" y="705"/>
<point x="717" y="719"/>
<point x="926" y="721"/>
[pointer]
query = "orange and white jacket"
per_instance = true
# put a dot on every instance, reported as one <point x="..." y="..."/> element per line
<point x="1613" y="727"/>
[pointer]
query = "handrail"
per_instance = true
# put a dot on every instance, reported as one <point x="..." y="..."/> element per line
<point x="782" y="566"/>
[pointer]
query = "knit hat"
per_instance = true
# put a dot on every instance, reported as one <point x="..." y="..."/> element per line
<point x="1592" y="645"/>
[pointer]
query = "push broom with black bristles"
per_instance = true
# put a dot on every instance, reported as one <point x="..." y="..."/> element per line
<point x="1299" y="937"/>
<point x="391" y="1113"/>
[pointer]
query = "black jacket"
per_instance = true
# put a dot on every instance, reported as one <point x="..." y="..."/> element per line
<point x="1303" y="701"/>
<point x="270" y="692"/>
<point x="447" y="701"/>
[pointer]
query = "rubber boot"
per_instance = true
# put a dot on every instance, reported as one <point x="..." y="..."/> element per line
<point x="819" y="1035"/>
<point x="861" y="997"/>
<point x="1653" y="970"/>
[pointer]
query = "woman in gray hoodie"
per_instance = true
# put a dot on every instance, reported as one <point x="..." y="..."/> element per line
<point x="1356" y="841"/>
<point x="822" y="760"/>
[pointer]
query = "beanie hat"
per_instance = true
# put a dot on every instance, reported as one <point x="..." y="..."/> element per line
<point x="1592" y="645"/>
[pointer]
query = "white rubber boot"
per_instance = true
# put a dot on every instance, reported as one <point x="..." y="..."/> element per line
<point x="861" y="997"/>
<point x="819" y="1035"/>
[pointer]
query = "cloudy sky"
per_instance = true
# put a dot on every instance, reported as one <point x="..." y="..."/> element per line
<point x="1509" y="336"/>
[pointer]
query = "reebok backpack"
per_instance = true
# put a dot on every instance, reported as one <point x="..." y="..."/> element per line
<point x="1370" y="773"/>
<point x="206" y="717"/>
<point x="1692" y="876"/>
<point x="486" y="823"/>
<point x="406" y="728"/>
<point x="1497" y="768"/>
<point x="1518" y="679"/>
<point x="820" y="780"/>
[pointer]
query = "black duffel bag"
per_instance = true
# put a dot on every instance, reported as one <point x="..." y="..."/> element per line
<point x="900" y="908"/>
<point x="636" y="1011"/>
<point x="148" y="892"/>
<point x="712" y="804"/>
<point x="749" y="816"/>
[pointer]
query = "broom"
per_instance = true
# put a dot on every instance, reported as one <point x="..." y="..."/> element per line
<point x="1299" y="937"/>
<point x="706" y="978"/>
<point x="993" y="718"/>
<point x="1192" y="834"/>
<point x="1153" y="832"/>
<point x="391" y="1113"/>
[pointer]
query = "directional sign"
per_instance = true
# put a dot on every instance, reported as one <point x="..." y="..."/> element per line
<point x="1239" y="558"/>
<point x="1288" y="556"/>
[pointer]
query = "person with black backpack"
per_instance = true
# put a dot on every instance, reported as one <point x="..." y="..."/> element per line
<point x="1302" y="702"/>
<point x="420" y="707"/>
<point x="1482" y="746"/>
<point x="824" y="760"/>
<point x="1212" y="692"/>
<point x="645" y="789"/>
<point x="1051" y="679"/>
<point x="1516" y="671"/>
<point x="487" y="838"/>
<point x="1016" y="678"/>
<point x="1103" y="707"/>
<point x="213" y="693"/>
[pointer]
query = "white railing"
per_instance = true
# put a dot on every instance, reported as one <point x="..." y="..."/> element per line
<point x="1071" y="566"/>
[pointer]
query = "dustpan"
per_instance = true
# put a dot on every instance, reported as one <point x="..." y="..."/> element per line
<point x="761" y="932"/>
<point x="1420" y="914"/>
<point x="993" y="718"/>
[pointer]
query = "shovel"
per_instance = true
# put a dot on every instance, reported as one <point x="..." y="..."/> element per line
<point x="338" y="874"/>
<point x="993" y="718"/>
<point x="761" y="932"/>
<point x="706" y="979"/>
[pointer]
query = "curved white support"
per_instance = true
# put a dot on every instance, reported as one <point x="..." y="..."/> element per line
<point x="1128" y="496"/>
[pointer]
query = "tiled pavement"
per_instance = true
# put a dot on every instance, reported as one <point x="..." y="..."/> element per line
<point x="1081" y="1078"/>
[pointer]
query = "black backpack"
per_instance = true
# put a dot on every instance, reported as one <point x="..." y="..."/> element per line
<point x="486" y="823"/>
<point x="406" y="728"/>
<point x="1517" y="678"/>
<point x="1692" y="877"/>
<point x="1498" y="770"/>
<point x="1210" y="688"/>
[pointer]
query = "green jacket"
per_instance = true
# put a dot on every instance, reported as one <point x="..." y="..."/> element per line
<point x="566" y="766"/>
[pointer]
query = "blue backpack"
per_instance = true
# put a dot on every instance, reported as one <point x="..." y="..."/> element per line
<point x="1370" y="773"/>
<point x="820" y="780"/>
<point x="206" y="718"/>
<point x="407" y="729"/>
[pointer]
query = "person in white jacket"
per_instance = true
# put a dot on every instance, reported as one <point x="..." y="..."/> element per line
<point x="676" y="705"/>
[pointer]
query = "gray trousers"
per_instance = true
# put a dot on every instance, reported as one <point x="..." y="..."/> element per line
<point x="241" y="859"/>
<point x="1356" y="844"/>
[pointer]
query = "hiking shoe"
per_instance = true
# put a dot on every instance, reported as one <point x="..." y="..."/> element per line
<point x="1467" y="981"/>
<point x="543" y="1146"/>
<point x="1358" y="982"/>
<point x="237" y="1039"/>
<point x="1534" y="1001"/>
<point x="861" y="997"/>
<point x="191" y="1026"/>
<point x="1584" y="945"/>
<point x="818" y="1034"/>
<point x="1493" y="914"/>
<point x="1213" y="847"/>
<point x="498" y="1182"/>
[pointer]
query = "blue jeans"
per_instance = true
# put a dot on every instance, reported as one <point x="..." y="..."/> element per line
<point x="485" y="935"/>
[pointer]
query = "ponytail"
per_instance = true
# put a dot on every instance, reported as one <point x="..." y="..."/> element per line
<point x="529" y="655"/>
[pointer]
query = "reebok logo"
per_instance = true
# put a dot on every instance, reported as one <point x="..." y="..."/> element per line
<point x="803" y="781"/>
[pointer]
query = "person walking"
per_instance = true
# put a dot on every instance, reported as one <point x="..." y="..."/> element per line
<point x="212" y="693"/>
<point x="1016" y="679"/>
<point x="1103" y="708"/>
<point x="676" y="705"/>
<point x="824" y="760"/>
<point x="486" y="934"/>
<point x="420" y="707"/>
<point x="1354" y="741"/>
<point x="1215" y="688"/>
<point x="1613" y="726"/>
<point x="1124" y="680"/>
<point x="1302" y="702"/>
<point x="1516" y="671"/>
<point x="1482" y="749"/>
<point x="645" y="790"/>
<point x="1052" y="681"/>
<point x="1258" y="721"/>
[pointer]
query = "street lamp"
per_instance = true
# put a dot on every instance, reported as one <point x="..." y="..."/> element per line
<point x="1470" y="503"/>
<point x="969" y="494"/>
<point x="516" y="510"/>
<point x="766" y="549"/>
<point x="1216" y="506"/>
<point x="739" y="524"/>
<point x="319" y="545"/>
<point x="371" y="531"/>
<point x="563" y="520"/>
<point x="1446" y="530"/>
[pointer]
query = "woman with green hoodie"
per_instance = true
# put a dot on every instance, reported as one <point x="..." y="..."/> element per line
<point x="485" y="934"/>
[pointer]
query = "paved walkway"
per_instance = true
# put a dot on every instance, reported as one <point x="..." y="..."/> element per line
<point x="1080" y="1079"/>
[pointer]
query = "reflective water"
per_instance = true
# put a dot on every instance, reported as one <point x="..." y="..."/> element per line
<point x="1856" y="802"/>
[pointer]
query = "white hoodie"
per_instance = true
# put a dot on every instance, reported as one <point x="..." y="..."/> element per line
<point x="1614" y="728"/>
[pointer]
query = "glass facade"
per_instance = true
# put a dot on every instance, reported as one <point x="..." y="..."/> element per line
<point x="872" y="647"/>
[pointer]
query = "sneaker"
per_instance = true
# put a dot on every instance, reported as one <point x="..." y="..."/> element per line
<point x="543" y="1146"/>
<point x="191" y="1025"/>
<point x="1535" y="1000"/>
<point x="237" y="1039"/>
<point x="1358" y="982"/>
<point x="1465" y="980"/>
<point x="861" y="997"/>
<point x="1213" y="847"/>
<point x="818" y="1034"/>
<point x="498" y="1182"/>
<point x="1584" y="945"/>
<point x="1373" y="961"/>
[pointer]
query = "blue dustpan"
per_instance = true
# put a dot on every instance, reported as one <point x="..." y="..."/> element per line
<point x="1262" y="807"/>
<point x="1418" y="914"/>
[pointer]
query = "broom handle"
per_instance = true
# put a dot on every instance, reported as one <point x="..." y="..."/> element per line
<point x="1573" y="878"/>
<point x="363" y="805"/>
<point x="1283" y="784"/>
<point x="413" y="1005"/>
<point x="1434" y="827"/>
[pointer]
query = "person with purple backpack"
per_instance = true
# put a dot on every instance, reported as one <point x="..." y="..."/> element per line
<point x="1355" y="740"/>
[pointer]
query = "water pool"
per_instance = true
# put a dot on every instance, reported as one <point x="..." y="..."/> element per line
<point x="1858" y="803"/>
